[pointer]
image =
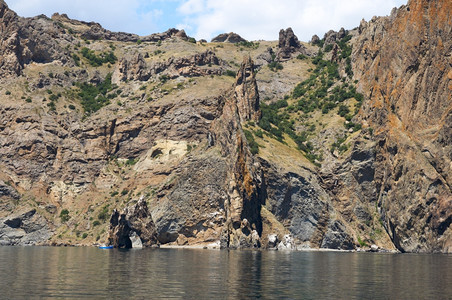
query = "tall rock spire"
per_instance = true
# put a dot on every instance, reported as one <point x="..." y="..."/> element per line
<point x="246" y="92"/>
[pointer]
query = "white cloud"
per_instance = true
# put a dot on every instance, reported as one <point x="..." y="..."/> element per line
<point x="116" y="15"/>
<point x="253" y="19"/>
<point x="262" y="19"/>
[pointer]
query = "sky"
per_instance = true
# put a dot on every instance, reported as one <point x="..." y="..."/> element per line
<point x="204" y="19"/>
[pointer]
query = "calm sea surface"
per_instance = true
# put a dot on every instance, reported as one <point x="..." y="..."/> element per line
<point x="45" y="272"/>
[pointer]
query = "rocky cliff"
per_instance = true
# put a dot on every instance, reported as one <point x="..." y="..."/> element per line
<point x="403" y="63"/>
<point x="342" y="143"/>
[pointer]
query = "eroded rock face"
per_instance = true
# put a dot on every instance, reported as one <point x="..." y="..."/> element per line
<point x="134" y="67"/>
<point x="94" y="31"/>
<point x="289" y="45"/>
<point x="24" y="228"/>
<point x="246" y="92"/>
<point x="25" y="40"/>
<point x="181" y="143"/>
<point x="243" y="225"/>
<point x="298" y="200"/>
<point x="133" y="223"/>
<point x="410" y="102"/>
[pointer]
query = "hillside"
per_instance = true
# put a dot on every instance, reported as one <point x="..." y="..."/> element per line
<point x="340" y="143"/>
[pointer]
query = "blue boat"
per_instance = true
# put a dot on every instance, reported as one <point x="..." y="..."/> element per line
<point x="105" y="247"/>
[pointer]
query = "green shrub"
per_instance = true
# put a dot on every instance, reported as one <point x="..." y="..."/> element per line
<point x="103" y="214"/>
<point x="124" y="192"/>
<point x="192" y="40"/>
<point x="259" y="133"/>
<point x="93" y="97"/>
<point x="164" y="78"/>
<point x="254" y="146"/>
<point x="28" y="100"/>
<point x="76" y="59"/>
<point x="247" y="44"/>
<point x="96" y="223"/>
<point x="7" y="93"/>
<point x="85" y="235"/>
<point x="131" y="162"/>
<point x="230" y="73"/>
<point x="328" y="47"/>
<point x="97" y="60"/>
<point x="302" y="56"/>
<point x="275" y="66"/>
<point x="64" y="215"/>
<point x="343" y="110"/>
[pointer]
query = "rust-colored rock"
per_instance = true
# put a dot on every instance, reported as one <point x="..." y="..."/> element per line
<point x="402" y="62"/>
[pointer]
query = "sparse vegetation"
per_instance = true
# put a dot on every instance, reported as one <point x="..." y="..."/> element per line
<point x="103" y="214"/>
<point x="254" y="146"/>
<point x="98" y="60"/>
<point x="274" y="65"/>
<point x="246" y="44"/>
<point x="93" y="96"/>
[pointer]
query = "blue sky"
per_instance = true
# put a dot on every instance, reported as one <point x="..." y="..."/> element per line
<point x="253" y="19"/>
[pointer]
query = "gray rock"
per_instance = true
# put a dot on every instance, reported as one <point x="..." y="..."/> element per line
<point x="24" y="228"/>
<point x="272" y="241"/>
<point x="289" y="45"/>
<point x="231" y="37"/>
<point x="134" y="226"/>
<point x="315" y="39"/>
<point x="7" y="190"/>
<point x="337" y="238"/>
<point x="287" y="243"/>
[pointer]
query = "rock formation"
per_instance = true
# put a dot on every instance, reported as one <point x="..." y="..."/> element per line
<point x="134" y="67"/>
<point x="231" y="37"/>
<point x="246" y="92"/>
<point x="410" y="109"/>
<point x="24" y="228"/>
<point x="133" y="227"/>
<point x="289" y="45"/>
<point x="243" y="226"/>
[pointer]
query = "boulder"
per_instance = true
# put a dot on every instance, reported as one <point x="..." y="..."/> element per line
<point x="272" y="241"/>
<point x="287" y="243"/>
<point x="374" y="248"/>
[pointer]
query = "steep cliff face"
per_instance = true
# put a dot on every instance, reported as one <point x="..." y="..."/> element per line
<point x="403" y="63"/>
<point x="243" y="225"/>
<point x="188" y="144"/>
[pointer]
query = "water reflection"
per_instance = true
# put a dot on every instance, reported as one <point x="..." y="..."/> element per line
<point x="203" y="274"/>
